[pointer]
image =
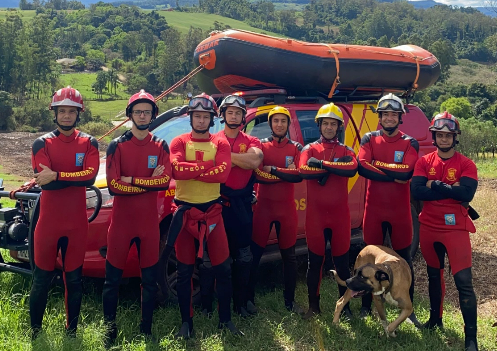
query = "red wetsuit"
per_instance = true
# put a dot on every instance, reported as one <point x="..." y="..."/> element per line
<point x="135" y="218"/>
<point x="327" y="207"/>
<point x="237" y="194"/>
<point x="382" y="159"/>
<point x="63" y="222"/>
<point x="199" y="167"/>
<point x="276" y="206"/>
<point x="134" y="214"/>
<point x="445" y="226"/>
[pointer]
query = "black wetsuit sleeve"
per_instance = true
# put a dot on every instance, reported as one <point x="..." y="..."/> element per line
<point x="420" y="191"/>
<point x="464" y="193"/>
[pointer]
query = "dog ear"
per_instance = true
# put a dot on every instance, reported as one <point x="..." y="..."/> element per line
<point x="381" y="275"/>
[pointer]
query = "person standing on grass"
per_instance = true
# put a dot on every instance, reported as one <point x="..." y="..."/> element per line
<point x="275" y="203"/>
<point x="137" y="166"/>
<point x="446" y="182"/>
<point x="201" y="162"/>
<point x="65" y="162"/>
<point x="327" y="165"/>
<point x="387" y="158"/>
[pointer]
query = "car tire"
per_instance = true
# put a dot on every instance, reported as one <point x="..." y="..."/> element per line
<point x="168" y="277"/>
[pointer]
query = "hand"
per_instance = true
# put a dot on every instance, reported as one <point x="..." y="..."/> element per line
<point x="456" y="184"/>
<point x="267" y="169"/>
<point x="314" y="162"/>
<point x="347" y="158"/>
<point x="291" y="166"/>
<point x="126" y="179"/>
<point x="158" y="170"/>
<point x="401" y="181"/>
<point x="428" y="183"/>
<point x="45" y="176"/>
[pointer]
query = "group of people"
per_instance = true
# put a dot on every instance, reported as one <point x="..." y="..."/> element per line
<point x="220" y="221"/>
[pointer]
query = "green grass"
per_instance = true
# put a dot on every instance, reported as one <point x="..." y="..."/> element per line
<point x="10" y="182"/>
<point x="487" y="167"/>
<point x="467" y="72"/>
<point x="183" y="20"/>
<point x="272" y="329"/>
<point x="84" y="81"/>
<point x="26" y="15"/>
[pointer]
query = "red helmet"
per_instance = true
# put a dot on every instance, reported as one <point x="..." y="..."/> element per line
<point x="445" y="122"/>
<point x="67" y="97"/>
<point x="203" y="102"/>
<point x="142" y="96"/>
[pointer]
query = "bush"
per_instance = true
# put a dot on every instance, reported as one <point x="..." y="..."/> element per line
<point x="96" y="128"/>
<point x="35" y="114"/>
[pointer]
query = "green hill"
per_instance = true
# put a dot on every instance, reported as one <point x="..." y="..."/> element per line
<point x="26" y="15"/>
<point x="183" y="20"/>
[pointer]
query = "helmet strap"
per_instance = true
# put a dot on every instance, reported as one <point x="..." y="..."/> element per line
<point x="279" y="138"/>
<point x="199" y="131"/>
<point x="140" y="127"/>
<point x="444" y="149"/>
<point x="233" y="125"/>
<point x="335" y="138"/>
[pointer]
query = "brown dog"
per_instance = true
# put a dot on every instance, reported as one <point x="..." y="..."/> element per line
<point x="381" y="271"/>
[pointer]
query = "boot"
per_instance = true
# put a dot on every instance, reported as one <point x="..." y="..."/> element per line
<point x="110" y="293"/>
<point x="257" y="252"/>
<point x="313" y="307"/>
<point x="292" y="306"/>
<point x="222" y="273"/>
<point x="241" y="275"/>
<point x="366" y="306"/>
<point x="467" y="303"/>
<point x="184" y="291"/>
<point x="206" y="275"/>
<point x="290" y="279"/>
<point x="251" y="308"/>
<point x="73" y="297"/>
<point x="231" y="327"/>
<point x="185" y="332"/>
<point x="436" y="292"/>
<point x="38" y="298"/>
<point x="149" y="291"/>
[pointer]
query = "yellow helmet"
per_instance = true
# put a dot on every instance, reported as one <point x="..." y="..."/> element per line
<point x="330" y="111"/>
<point x="279" y="109"/>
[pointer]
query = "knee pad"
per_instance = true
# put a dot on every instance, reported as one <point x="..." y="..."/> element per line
<point x="244" y="255"/>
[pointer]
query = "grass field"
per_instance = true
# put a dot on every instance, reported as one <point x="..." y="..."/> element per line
<point x="468" y="72"/>
<point x="272" y="329"/>
<point x="487" y="168"/>
<point x="26" y="14"/>
<point x="183" y="20"/>
<point x="83" y="82"/>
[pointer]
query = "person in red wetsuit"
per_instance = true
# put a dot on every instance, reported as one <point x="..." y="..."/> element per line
<point x="237" y="194"/>
<point x="275" y="203"/>
<point x="137" y="166"/>
<point x="65" y="162"/>
<point x="327" y="165"/>
<point x="446" y="182"/>
<point x="387" y="158"/>
<point x="201" y="162"/>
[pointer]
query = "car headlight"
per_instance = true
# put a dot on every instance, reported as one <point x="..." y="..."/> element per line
<point x="91" y="198"/>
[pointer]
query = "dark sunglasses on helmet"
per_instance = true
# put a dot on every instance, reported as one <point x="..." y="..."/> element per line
<point x="230" y="100"/>
<point x="394" y="105"/>
<point x="442" y="122"/>
<point x="204" y="102"/>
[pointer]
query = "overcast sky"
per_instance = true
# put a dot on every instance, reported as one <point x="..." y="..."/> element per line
<point x="474" y="3"/>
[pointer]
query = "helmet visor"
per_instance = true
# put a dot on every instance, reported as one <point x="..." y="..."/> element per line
<point x="389" y="104"/>
<point x="440" y="123"/>
<point x="205" y="103"/>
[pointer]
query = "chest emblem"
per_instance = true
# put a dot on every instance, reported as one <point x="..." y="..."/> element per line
<point x="152" y="161"/>
<point x="432" y="171"/>
<point x="189" y="145"/>
<point x="243" y="148"/>
<point x="451" y="174"/>
<point x="450" y="219"/>
<point x="288" y="161"/>
<point x="79" y="159"/>
<point x="399" y="156"/>
<point x="211" y="228"/>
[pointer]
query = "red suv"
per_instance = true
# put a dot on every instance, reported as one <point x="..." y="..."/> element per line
<point x="359" y="119"/>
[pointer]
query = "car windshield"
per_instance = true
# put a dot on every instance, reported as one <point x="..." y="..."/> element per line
<point x="180" y="125"/>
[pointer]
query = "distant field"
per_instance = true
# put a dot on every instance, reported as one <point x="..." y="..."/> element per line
<point x="84" y="81"/>
<point x="183" y="20"/>
<point x="467" y="72"/>
<point x="26" y="15"/>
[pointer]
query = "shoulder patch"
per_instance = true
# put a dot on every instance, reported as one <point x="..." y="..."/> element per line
<point x="267" y="140"/>
<point x="38" y="144"/>
<point x="297" y="144"/>
<point x="366" y="138"/>
<point x="111" y="149"/>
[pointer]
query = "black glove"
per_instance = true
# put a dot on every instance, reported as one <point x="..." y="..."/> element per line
<point x="344" y="159"/>
<point x="314" y="162"/>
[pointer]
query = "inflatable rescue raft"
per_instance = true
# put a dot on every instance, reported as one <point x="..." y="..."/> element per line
<point x="236" y="60"/>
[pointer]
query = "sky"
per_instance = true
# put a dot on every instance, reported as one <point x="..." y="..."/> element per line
<point x="465" y="3"/>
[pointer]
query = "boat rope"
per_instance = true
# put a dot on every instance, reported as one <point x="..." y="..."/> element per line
<point x="337" y="63"/>
<point x="164" y="93"/>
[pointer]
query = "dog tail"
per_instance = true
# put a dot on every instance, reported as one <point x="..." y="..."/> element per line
<point x="337" y="278"/>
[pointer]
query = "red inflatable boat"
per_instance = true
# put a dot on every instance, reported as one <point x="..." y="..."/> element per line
<point x="237" y="60"/>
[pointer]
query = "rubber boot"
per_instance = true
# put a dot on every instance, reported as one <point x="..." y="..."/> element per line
<point x="206" y="275"/>
<point x="73" y="297"/>
<point x="230" y="326"/>
<point x="314" y="309"/>
<point x="436" y="291"/>
<point x="224" y="289"/>
<point x="110" y="293"/>
<point x="149" y="292"/>
<point x="38" y="299"/>
<point x="184" y="290"/>
<point x="241" y="276"/>
<point x="290" y="279"/>
<point x="257" y="252"/>
<point x="467" y="303"/>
